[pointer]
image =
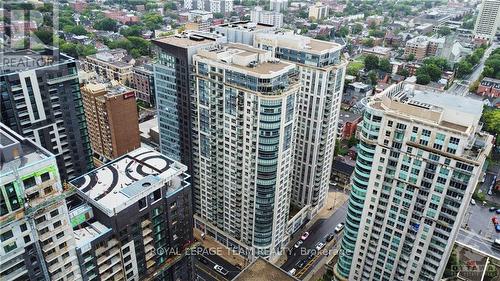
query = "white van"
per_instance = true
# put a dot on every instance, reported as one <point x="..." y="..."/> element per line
<point x="292" y="271"/>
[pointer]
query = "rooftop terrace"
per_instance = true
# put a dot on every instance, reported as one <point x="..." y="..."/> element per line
<point x="246" y="58"/>
<point x="124" y="181"/>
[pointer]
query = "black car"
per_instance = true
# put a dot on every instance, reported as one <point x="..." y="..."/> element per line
<point x="330" y="237"/>
<point x="492" y="209"/>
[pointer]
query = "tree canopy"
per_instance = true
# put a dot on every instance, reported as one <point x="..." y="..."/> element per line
<point x="492" y="65"/>
<point x="371" y="62"/>
<point x="106" y="24"/>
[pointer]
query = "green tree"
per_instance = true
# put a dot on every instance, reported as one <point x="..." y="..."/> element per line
<point x="444" y="31"/>
<point x="78" y="30"/>
<point x="152" y="20"/>
<point x="410" y="57"/>
<point x="433" y="71"/>
<point x="371" y="62"/>
<point x="170" y="6"/>
<point x="376" y="33"/>
<point x="491" y="119"/>
<point x="354" y="67"/>
<point x="463" y="68"/>
<point x="440" y="62"/>
<point x="134" y="30"/>
<point x="403" y="72"/>
<point x="385" y="65"/>
<point x="343" y="31"/>
<point x="357" y="28"/>
<point x="372" y="75"/>
<point x="106" y="24"/>
<point x="45" y="35"/>
<point x="423" y="79"/>
<point x="218" y="15"/>
<point x="368" y="42"/>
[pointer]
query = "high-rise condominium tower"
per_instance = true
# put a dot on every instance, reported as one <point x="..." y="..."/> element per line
<point x="419" y="158"/>
<point x="173" y="89"/>
<point x="243" y="132"/>
<point x="36" y="240"/>
<point x="488" y="20"/>
<point x="40" y="99"/>
<point x="321" y="74"/>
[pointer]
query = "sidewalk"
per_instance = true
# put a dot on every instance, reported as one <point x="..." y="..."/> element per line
<point x="222" y="251"/>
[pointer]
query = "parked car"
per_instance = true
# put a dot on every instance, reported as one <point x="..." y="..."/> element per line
<point x="339" y="227"/>
<point x="473" y="202"/>
<point x="304" y="236"/>
<point x="330" y="237"/>
<point x="298" y="243"/>
<point x="497" y="227"/>
<point x="320" y="246"/>
<point x="492" y="209"/>
<point x="301" y="263"/>
<point x="498" y="211"/>
<point x="221" y="270"/>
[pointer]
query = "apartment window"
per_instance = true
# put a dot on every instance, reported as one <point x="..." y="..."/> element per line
<point x="6" y="235"/>
<point x="23" y="227"/>
<point x="142" y="203"/>
<point x="155" y="196"/>
<point x="48" y="190"/>
<point x="26" y="239"/>
<point x="426" y="133"/>
<point x="57" y="224"/>
<point x="10" y="247"/>
<point x="29" y="182"/>
<point x="45" y="176"/>
<point x="454" y="140"/>
<point x="54" y="213"/>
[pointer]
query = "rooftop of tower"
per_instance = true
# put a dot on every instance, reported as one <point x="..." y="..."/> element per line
<point x="299" y="42"/>
<point x="450" y="111"/>
<point x="17" y="152"/>
<point x="123" y="181"/>
<point x="188" y="39"/>
<point x="14" y="61"/>
<point x="247" y="58"/>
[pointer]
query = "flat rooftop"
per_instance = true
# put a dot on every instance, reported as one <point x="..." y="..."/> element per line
<point x="188" y="39"/>
<point x="114" y="186"/>
<point x="17" y="152"/>
<point x="262" y="270"/>
<point x="246" y="58"/>
<point x="23" y="60"/>
<point x="451" y="111"/>
<point x="251" y="26"/>
<point x="87" y="232"/>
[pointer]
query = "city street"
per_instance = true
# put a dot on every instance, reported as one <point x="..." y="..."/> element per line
<point x="318" y="232"/>
<point x="204" y="266"/>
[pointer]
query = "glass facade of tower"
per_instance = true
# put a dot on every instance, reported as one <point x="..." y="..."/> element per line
<point x="167" y="104"/>
<point x="364" y="162"/>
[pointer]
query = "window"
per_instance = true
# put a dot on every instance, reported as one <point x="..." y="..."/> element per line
<point x="454" y="140"/>
<point x="6" y="235"/>
<point x="45" y="176"/>
<point x="23" y="227"/>
<point x="426" y="133"/>
<point x="54" y="213"/>
<point x="10" y="247"/>
<point x="155" y="196"/>
<point x="29" y="182"/>
<point x="142" y="203"/>
<point x="27" y="239"/>
<point x="57" y="224"/>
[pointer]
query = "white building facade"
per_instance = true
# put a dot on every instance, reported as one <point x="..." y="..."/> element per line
<point x="258" y="15"/>
<point x="488" y="20"/>
<point x="321" y="76"/>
